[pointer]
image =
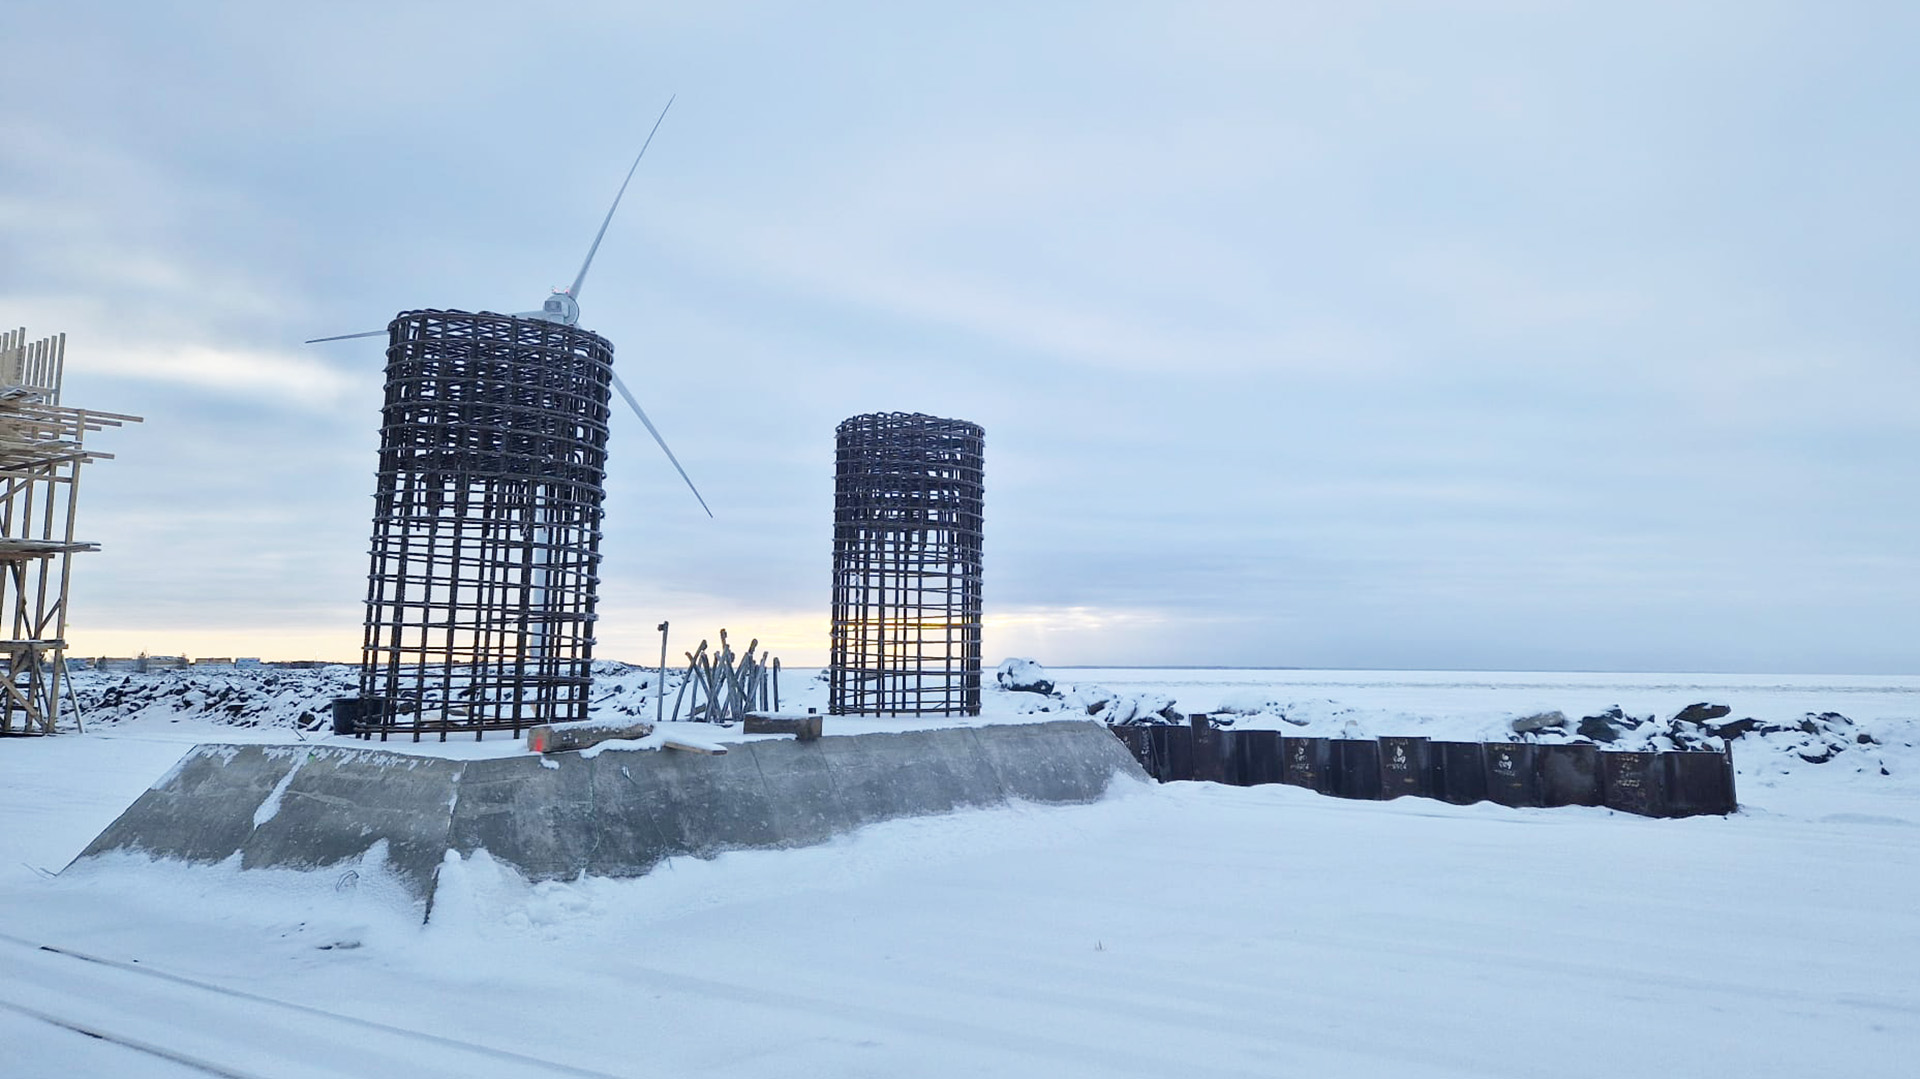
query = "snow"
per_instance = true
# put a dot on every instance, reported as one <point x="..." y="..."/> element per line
<point x="1022" y="674"/>
<point x="270" y="808"/>
<point x="1185" y="929"/>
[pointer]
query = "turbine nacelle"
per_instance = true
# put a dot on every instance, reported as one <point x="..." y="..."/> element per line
<point x="560" y="307"/>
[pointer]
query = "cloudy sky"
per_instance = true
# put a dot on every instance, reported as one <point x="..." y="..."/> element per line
<point x="1492" y="335"/>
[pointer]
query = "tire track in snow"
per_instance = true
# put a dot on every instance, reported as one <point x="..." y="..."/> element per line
<point x="134" y="1044"/>
<point x="227" y="1032"/>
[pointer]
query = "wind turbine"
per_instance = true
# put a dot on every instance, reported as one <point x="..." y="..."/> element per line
<point x="563" y="307"/>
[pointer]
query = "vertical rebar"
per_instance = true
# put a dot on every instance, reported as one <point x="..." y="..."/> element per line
<point x="907" y="537"/>
<point x="485" y="558"/>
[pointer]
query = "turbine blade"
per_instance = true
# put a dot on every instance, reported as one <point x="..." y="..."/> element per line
<point x="345" y="337"/>
<point x="655" y="432"/>
<point x="574" y="291"/>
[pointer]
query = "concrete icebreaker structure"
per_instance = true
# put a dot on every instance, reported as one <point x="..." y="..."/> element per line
<point x="612" y="814"/>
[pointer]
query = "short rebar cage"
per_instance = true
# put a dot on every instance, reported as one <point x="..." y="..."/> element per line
<point x="907" y="503"/>
<point x="486" y="527"/>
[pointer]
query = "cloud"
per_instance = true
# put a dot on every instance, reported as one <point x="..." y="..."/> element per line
<point x="1363" y="334"/>
<point x="288" y="378"/>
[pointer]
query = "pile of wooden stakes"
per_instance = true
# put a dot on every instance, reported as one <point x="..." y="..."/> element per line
<point x="725" y="687"/>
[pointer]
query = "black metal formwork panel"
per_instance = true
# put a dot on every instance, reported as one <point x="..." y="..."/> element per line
<point x="1307" y="762"/>
<point x="1173" y="748"/>
<point x="1356" y="768"/>
<point x="1257" y="757"/>
<point x="1634" y="782"/>
<point x="1460" y="771"/>
<point x="1140" y="740"/>
<point x="1698" y="782"/>
<point x="1569" y="774"/>
<point x="1512" y="776"/>
<point x="351" y="715"/>
<point x="1212" y="750"/>
<point x="1406" y="768"/>
<point x="1137" y="743"/>
<point x="1227" y="751"/>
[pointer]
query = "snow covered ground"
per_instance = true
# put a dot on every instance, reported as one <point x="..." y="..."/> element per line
<point x="1185" y="929"/>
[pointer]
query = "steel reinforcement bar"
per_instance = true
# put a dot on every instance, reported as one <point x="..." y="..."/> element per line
<point x="907" y="510"/>
<point x="485" y="555"/>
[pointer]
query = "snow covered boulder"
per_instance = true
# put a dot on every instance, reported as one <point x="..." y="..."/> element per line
<point x="1734" y="728"/>
<point x="1120" y="710"/>
<point x="1608" y="726"/>
<point x="1539" y="721"/>
<point x="1702" y="713"/>
<point x="1246" y="702"/>
<point x="1818" y="738"/>
<point x="1023" y="676"/>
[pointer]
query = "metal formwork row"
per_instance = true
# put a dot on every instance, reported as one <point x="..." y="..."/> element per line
<point x="486" y="528"/>
<point x="1672" y="783"/>
<point x="907" y="504"/>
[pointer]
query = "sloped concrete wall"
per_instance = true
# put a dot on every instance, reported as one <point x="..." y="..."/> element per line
<point x="616" y="814"/>
<point x="294" y="807"/>
<point x="202" y="811"/>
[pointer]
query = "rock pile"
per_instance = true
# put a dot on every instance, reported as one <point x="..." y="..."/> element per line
<point x="285" y="697"/>
<point x="1125" y="710"/>
<point x="247" y="697"/>
<point x="1816" y="739"/>
<point x="1113" y="709"/>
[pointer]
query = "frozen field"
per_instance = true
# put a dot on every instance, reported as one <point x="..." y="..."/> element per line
<point x="1179" y="930"/>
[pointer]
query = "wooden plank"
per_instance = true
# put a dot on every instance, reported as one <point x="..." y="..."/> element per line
<point x="565" y="737"/>
<point x="806" y="727"/>
<point x="688" y="744"/>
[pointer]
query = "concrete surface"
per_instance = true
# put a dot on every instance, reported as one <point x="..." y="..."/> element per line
<point x="617" y="813"/>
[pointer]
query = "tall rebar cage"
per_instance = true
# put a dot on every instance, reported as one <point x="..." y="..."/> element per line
<point x="907" y="501"/>
<point x="486" y="527"/>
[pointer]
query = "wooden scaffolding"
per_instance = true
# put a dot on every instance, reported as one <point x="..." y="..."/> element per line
<point x="41" y="451"/>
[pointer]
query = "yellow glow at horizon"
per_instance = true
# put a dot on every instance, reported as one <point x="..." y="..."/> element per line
<point x="798" y="638"/>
